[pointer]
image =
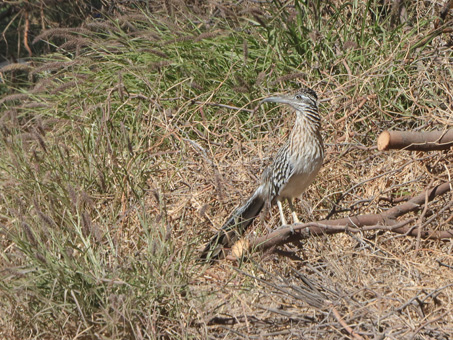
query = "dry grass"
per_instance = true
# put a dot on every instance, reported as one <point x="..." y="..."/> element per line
<point x="130" y="153"/>
<point x="381" y="285"/>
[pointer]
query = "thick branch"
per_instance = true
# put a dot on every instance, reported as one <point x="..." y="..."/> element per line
<point x="415" y="141"/>
<point x="383" y="221"/>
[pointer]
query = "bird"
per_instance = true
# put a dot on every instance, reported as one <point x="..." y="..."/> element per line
<point x="293" y="169"/>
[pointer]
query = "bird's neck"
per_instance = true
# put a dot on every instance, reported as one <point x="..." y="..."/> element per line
<point x="306" y="132"/>
<point x="307" y="122"/>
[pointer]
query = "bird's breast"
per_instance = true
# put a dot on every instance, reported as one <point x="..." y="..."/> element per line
<point x="303" y="175"/>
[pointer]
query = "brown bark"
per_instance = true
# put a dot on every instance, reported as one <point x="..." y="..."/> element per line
<point x="383" y="221"/>
<point x="415" y="141"/>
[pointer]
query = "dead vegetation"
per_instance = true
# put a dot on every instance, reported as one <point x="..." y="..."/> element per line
<point x="367" y="283"/>
<point x="129" y="149"/>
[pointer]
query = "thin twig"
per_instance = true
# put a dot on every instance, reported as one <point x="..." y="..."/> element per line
<point x="344" y="324"/>
<point x="420" y="221"/>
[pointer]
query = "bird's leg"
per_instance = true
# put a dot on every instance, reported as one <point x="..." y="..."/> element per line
<point x="282" y="216"/>
<point x="293" y="212"/>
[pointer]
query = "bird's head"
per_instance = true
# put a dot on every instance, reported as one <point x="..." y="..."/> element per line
<point x="299" y="100"/>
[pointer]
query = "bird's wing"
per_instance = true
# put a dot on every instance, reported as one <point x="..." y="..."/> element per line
<point x="278" y="174"/>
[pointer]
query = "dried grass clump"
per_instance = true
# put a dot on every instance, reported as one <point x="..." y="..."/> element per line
<point x="67" y="33"/>
<point x="14" y="97"/>
<point x="15" y="67"/>
<point x="52" y="66"/>
<point x="76" y="43"/>
<point x="101" y="26"/>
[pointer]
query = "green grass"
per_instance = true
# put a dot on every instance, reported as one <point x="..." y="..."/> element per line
<point x="87" y="245"/>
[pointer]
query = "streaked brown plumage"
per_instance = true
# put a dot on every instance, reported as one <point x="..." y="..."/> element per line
<point x="294" y="168"/>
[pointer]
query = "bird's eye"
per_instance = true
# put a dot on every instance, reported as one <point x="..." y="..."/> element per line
<point x="298" y="96"/>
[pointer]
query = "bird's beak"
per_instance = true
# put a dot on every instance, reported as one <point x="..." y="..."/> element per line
<point x="280" y="99"/>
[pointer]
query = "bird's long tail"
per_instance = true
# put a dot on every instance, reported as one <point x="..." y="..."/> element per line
<point x="233" y="228"/>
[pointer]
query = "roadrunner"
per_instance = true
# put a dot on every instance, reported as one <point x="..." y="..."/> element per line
<point x="294" y="168"/>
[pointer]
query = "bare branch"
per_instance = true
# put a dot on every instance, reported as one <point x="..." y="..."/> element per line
<point x="383" y="221"/>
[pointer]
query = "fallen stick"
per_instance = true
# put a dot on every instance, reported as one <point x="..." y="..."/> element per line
<point x="383" y="221"/>
<point x="415" y="141"/>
